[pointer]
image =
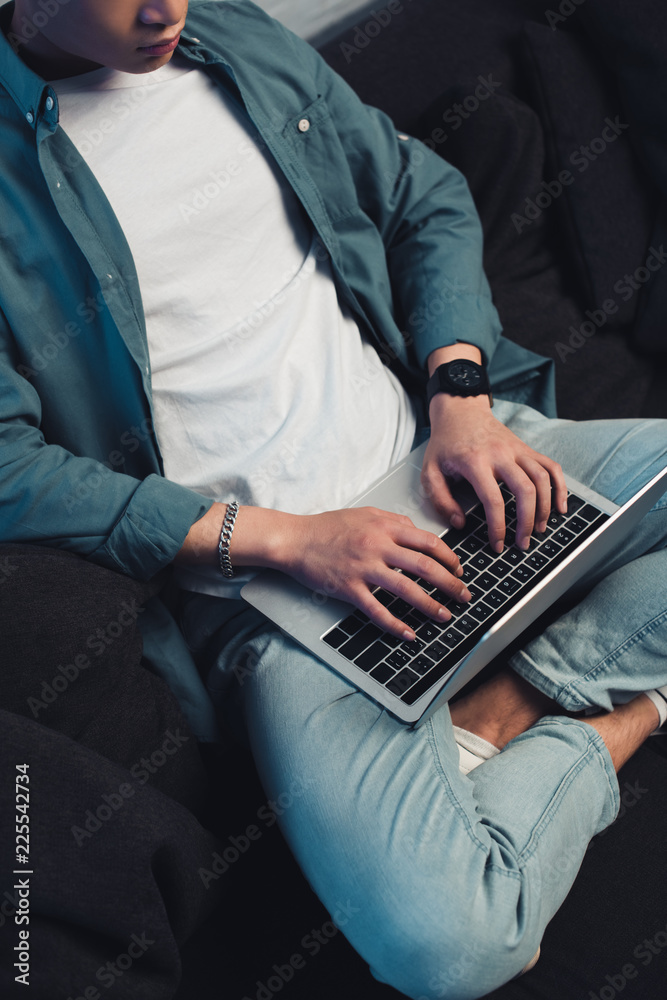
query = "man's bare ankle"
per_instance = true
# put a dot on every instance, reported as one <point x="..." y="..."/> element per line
<point x="503" y="707"/>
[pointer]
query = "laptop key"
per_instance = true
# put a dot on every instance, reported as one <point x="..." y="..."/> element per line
<point x="523" y="573"/>
<point x="472" y="544"/>
<point x="372" y="656"/>
<point x="563" y="536"/>
<point x="456" y="607"/>
<point x="335" y="638"/>
<point x="441" y="597"/>
<point x="495" y="598"/>
<point x="480" y="560"/>
<point x="382" y="673"/>
<point x="399" y="608"/>
<point x="466" y="624"/>
<point x="360" y="641"/>
<point x="536" y="560"/>
<point x="591" y="514"/>
<point x="555" y="519"/>
<point x="414" y="619"/>
<point x="421" y="664"/>
<point x="454" y="536"/>
<point x="436" y="650"/>
<point x="413" y="647"/>
<point x="351" y="624"/>
<point x="451" y="637"/>
<point x="574" y="503"/>
<point x="402" y="682"/>
<point x="481" y="611"/>
<point x="428" y="631"/>
<point x="550" y="548"/>
<point x="576" y="524"/>
<point x="398" y="659"/>
<point x="499" y="569"/>
<point x="509" y="586"/>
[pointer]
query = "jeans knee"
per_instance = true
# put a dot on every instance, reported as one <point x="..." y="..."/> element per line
<point x="462" y="962"/>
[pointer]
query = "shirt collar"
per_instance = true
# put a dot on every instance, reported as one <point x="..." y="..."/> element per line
<point x="34" y="97"/>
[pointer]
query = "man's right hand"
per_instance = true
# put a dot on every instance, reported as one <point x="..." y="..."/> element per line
<point x="346" y="553"/>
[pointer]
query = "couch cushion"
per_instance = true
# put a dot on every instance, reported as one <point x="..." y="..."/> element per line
<point x="606" y="205"/>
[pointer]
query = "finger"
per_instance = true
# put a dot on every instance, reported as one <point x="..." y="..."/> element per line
<point x="383" y="618"/>
<point x="525" y="494"/>
<point x="558" y="486"/>
<point x="541" y="480"/>
<point x="437" y="489"/>
<point x="428" y="592"/>
<point x="488" y="492"/>
<point x="388" y="614"/>
<point x="428" y="547"/>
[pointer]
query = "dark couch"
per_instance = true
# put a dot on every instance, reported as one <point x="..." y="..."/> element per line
<point x="492" y="87"/>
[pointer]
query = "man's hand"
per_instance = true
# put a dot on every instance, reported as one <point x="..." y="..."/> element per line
<point x="349" y="552"/>
<point x="344" y="553"/>
<point x="468" y="442"/>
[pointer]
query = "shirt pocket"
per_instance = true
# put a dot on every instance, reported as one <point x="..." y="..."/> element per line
<point x="314" y="138"/>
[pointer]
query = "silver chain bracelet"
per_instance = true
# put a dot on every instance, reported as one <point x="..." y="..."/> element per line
<point x="226" y="567"/>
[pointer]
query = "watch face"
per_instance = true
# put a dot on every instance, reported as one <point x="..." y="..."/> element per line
<point x="465" y="373"/>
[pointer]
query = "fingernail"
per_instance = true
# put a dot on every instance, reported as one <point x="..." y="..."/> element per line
<point x="409" y="635"/>
<point x="457" y="521"/>
<point x="459" y="571"/>
<point x="465" y="594"/>
<point x="444" y="615"/>
<point x="498" y="546"/>
<point x="525" y="542"/>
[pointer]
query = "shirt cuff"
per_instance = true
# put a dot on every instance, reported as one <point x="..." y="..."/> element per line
<point x="152" y="528"/>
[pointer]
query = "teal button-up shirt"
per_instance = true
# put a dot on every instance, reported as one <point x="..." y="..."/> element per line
<point x="80" y="465"/>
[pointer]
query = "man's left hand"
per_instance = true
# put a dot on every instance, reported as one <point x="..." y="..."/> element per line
<point x="468" y="442"/>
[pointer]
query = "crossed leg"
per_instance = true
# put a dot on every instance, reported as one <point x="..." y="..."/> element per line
<point x="441" y="881"/>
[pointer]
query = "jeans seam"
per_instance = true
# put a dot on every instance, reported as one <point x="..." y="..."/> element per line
<point x="508" y="872"/>
<point x="449" y="791"/>
<point x="592" y="751"/>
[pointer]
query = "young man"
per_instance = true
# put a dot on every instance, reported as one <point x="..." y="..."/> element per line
<point x="210" y="248"/>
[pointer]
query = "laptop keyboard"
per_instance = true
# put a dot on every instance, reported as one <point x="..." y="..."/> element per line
<point x="496" y="583"/>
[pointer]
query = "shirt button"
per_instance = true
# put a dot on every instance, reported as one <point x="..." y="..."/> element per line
<point x="49" y="104"/>
<point x="30" y="117"/>
<point x="303" y="125"/>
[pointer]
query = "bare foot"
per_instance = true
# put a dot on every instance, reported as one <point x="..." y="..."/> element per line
<point x="502" y="708"/>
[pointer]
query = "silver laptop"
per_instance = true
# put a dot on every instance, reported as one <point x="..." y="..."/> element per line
<point x="509" y="590"/>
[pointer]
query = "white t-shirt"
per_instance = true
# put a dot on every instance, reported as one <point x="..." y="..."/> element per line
<point x="264" y="389"/>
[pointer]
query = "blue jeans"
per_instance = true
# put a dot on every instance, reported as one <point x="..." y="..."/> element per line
<point x="444" y="883"/>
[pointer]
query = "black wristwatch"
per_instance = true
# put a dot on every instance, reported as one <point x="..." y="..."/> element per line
<point x="459" y="378"/>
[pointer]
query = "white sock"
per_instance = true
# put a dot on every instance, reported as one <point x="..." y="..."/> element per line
<point x="659" y="699"/>
<point x="473" y="750"/>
